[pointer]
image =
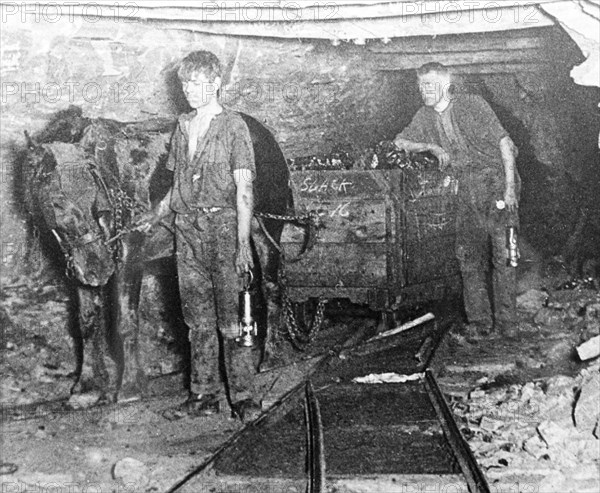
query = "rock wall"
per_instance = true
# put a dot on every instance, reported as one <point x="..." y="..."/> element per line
<point x="552" y="121"/>
<point x="311" y="94"/>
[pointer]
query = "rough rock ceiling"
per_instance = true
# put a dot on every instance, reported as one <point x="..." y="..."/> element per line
<point x="343" y="20"/>
<point x="581" y="20"/>
<point x="359" y="20"/>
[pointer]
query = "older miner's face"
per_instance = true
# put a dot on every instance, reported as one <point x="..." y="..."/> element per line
<point x="199" y="90"/>
<point x="434" y="87"/>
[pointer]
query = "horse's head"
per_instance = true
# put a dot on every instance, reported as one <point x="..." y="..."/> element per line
<point x="63" y="196"/>
<point x="81" y="240"/>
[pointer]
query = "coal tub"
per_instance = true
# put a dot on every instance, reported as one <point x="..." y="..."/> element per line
<point x="386" y="241"/>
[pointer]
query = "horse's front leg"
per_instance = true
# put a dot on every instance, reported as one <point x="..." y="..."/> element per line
<point x="91" y="343"/>
<point x="132" y="381"/>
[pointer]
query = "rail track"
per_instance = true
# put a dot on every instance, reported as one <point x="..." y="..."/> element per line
<point x="329" y="433"/>
<point x="332" y="434"/>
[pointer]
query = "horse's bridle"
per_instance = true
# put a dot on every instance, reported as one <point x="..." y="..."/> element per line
<point x="81" y="241"/>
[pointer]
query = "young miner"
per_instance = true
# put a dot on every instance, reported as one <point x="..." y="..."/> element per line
<point x="212" y="160"/>
<point x="462" y="131"/>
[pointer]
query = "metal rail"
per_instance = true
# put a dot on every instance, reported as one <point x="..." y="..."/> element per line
<point x="315" y="449"/>
<point x="276" y="412"/>
<point x="476" y="481"/>
<point x="316" y="460"/>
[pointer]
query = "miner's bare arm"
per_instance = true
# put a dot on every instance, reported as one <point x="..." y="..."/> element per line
<point x="153" y="217"/>
<point x="412" y="146"/>
<point x="245" y="209"/>
<point x="508" y="151"/>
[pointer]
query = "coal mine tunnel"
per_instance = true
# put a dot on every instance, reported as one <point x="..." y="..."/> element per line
<point x="291" y="246"/>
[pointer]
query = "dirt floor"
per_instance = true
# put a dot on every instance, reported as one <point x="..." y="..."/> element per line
<point x="134" y="447"/>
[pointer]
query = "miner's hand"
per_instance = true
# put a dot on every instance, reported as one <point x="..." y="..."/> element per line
<point x="243" y="258"/>
<point x="510" y="199"/>
<point x="147" y="221"/>
<point x="106" y="225"/>
<point x="442" y="156"/>
<point x="151" y="218"/>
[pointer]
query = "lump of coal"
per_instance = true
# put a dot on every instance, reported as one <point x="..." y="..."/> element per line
<point x="385" y="155"/>
<point x="337" y="159"/>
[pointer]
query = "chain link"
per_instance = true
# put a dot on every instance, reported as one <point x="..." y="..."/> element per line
<point x="70" y="265"/>
<point x="124" y="209"/>
<point x="311" y="217"/>
<point x="300" y="335"/>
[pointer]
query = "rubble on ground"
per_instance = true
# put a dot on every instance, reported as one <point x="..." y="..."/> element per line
<point x="131" y="472"/>
<point x="532" y="301"/>
<point x="589" y="349"/>
<point x="576" y="309"/>
<point x="546" y="428"/>
<point x="36" y="348"/>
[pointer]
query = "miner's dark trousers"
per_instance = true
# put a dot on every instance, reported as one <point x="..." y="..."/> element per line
<point x="205" y="250"/>
<point x="481" y="245"/>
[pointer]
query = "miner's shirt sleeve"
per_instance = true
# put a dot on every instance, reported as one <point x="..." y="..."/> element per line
<point x="485" y="122"/>
<point x="174" y="148"/>
<point x="242" y="151"/>
<point x="417" y="129"/>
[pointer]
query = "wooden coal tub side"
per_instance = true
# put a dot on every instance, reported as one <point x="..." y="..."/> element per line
<point x="430" y="268"/>
<point x="387" y="237"/>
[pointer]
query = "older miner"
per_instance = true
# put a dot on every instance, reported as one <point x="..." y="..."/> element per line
<point x="463" y="132"/>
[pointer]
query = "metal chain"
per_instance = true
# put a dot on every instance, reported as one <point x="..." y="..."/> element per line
<point x="70" y="267"/>
<point x="301" y="337"/>
<point x="312" y="217"/>
<point x="123" y="212"/>
<point x="123" y="207"/>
